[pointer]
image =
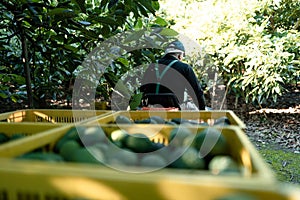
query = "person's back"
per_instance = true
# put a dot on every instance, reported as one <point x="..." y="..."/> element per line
<point x="170" y="75"/>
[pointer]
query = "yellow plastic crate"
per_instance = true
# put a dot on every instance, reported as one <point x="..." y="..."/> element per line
<point x="240" y="148"/>
<point x="200" y="116"/>
<point x="36" y="136"/>
<point x="44" y="180"/>
<point x="29" y="180"/>
<point x="51" y="115"/>
<point x="24" y="130"/>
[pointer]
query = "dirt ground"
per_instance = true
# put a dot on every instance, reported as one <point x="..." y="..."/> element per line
<point x="277" y="125"/>
<point x="275" y="132"/>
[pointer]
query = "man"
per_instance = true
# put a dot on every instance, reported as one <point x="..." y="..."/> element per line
<point x="171" y="76"/>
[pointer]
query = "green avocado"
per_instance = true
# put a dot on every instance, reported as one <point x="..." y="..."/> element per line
<point x="189" y="159"/>
<point x="16" y="136"/>
<point x="210" y="140"/>
<point x="68" y="148"/>
<point x="178" y="120"/>
<point x="71" y="134"/>
<point x="45" y="156"/>
<point x="170" y="123"/>
<point x="146" y="121"/>
<point x="118" y="137"/>
<point x="178" y="134"/>
<point x="123" y="157"/>
<point x="84" y="155"/>
<point x="92" y="135"/>
<point x="121" y="119"/>
<point x="153" y="161"/>
<point x="222" y="121"/>
<point x="3" y="138"/>
<point x="223" y="164"/>
<point x="158" y="119"/>
<point x="139" y="143"/>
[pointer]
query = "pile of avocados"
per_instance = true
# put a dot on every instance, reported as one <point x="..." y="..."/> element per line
<point x="6" y="138"/>
<point x="206" y="149"/>
<point x="122" y="119"/>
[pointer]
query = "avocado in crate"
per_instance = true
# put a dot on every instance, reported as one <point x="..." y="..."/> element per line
<point x="77" y="144"/>
<point x="90" y="144"/>
<point x="13" y="134"/>
<point x="41" y="155"/>
<point x="6" y="138"/>
<point x="180" y="147"/>
<point x="200" y="150"/>
<point x="122" y="119"/>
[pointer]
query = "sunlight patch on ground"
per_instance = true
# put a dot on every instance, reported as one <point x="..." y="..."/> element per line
<point x="270" y="110"/>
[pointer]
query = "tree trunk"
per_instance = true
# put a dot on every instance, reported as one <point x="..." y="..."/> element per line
<point x="27" y="70"/>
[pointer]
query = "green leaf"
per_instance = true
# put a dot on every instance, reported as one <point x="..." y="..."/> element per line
<point x="3" y="95"/>
<point x="68" y="13"/>
<point x="149" y="54"/>
<point x="59" y="38"/>
<point x="123" y="61"/>
<point x="138" y="24"/>
<point x="148" y="5"/>
<point x="135" y="101"/>
<point x="142" y="10"/>
<point x="229" y="59"/>
<point x="135" y="11"/>
<point x="90" y="34"/>
<point x="134" y="36"/>
<point x="105" y="30"/>
<point x="106" y="20"/>
<point x="19" y="79"/>
<point x="160" y="21"/>
<point x="14" y="99"/>
<point x="81" y="5"/>
<point x="155" y="5"/>
<point x="5" y="79"/>
<point x="104" y="3"/>
<point x="123" y="89"/>
<point x="277" y="89"/>
<point x="168" y="32"/>
<point x="69" y="47"/>
<point x="112" y="3"/>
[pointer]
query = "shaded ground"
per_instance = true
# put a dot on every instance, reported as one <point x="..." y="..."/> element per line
<point x="275" y="132"/>
<point x="278" y="125"/>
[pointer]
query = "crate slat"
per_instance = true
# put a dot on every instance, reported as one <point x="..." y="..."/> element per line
<point x="51" y="115"/>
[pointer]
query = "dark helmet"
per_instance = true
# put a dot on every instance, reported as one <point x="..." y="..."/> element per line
<point x="175" y="47"/>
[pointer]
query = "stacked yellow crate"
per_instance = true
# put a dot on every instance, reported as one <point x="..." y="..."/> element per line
<point x="36" y="179"/>
<point x="51" y="115"/>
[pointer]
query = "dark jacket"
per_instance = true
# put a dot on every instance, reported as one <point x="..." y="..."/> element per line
<point x="179" y="77"/>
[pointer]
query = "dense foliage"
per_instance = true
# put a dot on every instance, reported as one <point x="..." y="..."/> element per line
<point x="43" y="42"/>
<point x="253" y="44"/>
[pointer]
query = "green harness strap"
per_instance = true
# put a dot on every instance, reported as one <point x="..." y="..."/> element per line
<point x="159" y="76"/>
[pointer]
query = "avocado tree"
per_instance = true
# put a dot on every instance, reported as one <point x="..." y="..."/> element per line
<point x="42" y="43"/>
<point x="254" y="45"/>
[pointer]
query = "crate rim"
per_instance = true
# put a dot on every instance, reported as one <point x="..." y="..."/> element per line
<point x="47" y="137"/>
<point x="239" y="122"/>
